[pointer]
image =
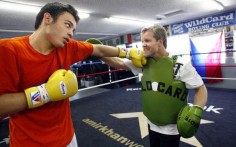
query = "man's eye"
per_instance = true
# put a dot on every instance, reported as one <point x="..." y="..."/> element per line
<point x="68" y="25"/>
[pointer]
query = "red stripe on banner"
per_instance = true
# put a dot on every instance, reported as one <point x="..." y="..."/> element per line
<point x="129" y="38"/>
<point x="213" y="63"/>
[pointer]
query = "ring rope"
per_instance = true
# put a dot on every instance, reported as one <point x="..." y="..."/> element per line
<point x="112" y="82"/>
<point x="213" y="78"/>
<point x="99" y="73"/>
<point x="214" y="65"/>
<point x="206" y="53"/>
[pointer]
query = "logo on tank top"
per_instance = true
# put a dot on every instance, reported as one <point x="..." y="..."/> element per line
<point x="167" y="89"/>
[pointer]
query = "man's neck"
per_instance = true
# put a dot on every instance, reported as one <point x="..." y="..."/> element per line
<point x="40" y="43"/>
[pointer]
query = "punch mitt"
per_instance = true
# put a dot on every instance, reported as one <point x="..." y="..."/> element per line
<point x="189" y="120"/>
<point x="93" y="41"/>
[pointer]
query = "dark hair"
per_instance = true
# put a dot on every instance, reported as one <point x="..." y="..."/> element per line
<point x="55" y="9"/>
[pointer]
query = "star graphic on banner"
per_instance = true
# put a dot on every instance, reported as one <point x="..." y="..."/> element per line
<point x="144" y="127"/>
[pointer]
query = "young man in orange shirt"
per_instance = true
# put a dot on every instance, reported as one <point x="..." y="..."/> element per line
<point x="36" y="82"/>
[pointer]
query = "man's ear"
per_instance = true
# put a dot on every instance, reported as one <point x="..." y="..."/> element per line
<point x="161" y="42"/>
<point x="47" y="18"/>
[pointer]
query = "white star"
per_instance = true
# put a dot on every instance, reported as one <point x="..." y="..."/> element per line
<point x="141" y="118"/>
<point x="144" y="127"/>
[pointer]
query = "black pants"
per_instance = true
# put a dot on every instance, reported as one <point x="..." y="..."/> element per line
<point x="161" y="140"/>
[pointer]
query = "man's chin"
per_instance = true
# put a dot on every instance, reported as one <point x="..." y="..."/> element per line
<point x="61" y="45"/>
<point x="147" y="55"/>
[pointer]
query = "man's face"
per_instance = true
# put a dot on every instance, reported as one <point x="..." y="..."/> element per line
<point x="60" y="31"/>
<point x="149" y="43"/>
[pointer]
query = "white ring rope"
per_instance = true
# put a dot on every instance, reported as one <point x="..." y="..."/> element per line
<point x="112" y="82"/>
<point x="219" y="78"/>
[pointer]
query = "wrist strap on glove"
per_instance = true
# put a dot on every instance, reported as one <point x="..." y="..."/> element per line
<point x="37" y="96"/>
<point x="123" y="52"/>
<point x="44" y="93"/>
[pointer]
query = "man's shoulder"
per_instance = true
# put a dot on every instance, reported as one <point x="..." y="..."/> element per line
<point x="78" y="43"/>
<point x="13" y="44"/>
<point x="13" y="40"/>
<point x="183" y="60"/>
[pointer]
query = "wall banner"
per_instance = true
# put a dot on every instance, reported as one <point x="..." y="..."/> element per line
<point x="205" y="23"/>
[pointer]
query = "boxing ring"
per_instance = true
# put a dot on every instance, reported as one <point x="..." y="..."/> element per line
<point x="113" y="115"/>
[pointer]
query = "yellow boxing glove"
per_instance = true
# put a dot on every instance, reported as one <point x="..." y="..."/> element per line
<point x="61" y="85"/>
<point x="134" y="54"/>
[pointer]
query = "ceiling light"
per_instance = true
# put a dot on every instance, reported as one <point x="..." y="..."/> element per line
<point x="160" y="17"/>
<point x="27" y="8"/>
<point x="173" y="12"/>
<point x="218" y="5"/>
<point x="11" y="6"/>
<point x="129" y="21"/>
<point x="83" y="15"/>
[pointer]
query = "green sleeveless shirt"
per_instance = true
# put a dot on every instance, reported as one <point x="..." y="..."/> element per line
<point x="162" y="96"/>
